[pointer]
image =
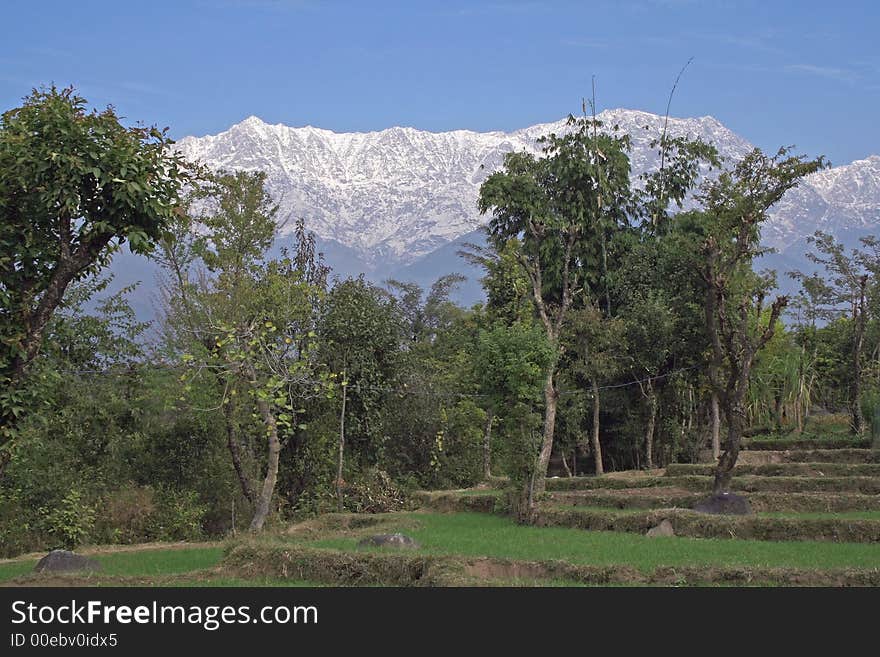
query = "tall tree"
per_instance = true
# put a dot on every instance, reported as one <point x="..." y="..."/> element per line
<point x="593" y="352"/>
<point x="74" y="185"/>
<point x="513" y="362"/>
<point x="844" y="291"/>
<point x="360" y="340"/>
<point x="562" y="208"/>
<point x="736" y="205"/>
<point x="248" y="323"/>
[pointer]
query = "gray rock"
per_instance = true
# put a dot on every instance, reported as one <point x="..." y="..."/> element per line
<point x="725" y="504"/>
<point x="389" y="540"/>
<point x="663" y="529"/>
<point x="64" y="561"/>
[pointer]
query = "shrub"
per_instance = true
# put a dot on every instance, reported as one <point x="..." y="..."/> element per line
<point x="871" y="411"/>
<point x="70" y="522"/>
<point x="125" y="515"/>
<point x="178" y="516"/>
<point x="17" y="533"/>
<point x="456" y="458"/>
<point x="374" y="492"/>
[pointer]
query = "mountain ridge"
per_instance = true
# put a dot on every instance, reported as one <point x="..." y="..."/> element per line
<point x="399" y="194"/>
<point x="396" y="203"/>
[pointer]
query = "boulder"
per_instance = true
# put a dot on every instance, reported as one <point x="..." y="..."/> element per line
<point x="663" y="529"/>
<point x="729" y="504"/>
<point x="64" y="561"/>
<point x="389" y="540"/>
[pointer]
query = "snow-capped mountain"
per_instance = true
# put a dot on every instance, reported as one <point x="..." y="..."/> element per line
<point x="400" y="203"/>
<point x="392" y="197"/>
<point x="399" y="194"/>
<point x="843" y="201"/>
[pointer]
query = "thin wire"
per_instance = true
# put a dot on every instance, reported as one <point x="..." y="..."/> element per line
<point x="424" y="393"/>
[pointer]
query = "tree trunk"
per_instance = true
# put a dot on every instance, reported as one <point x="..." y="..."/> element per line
<point x="736" y="421"/>
<point x="594" y="438"/>
<point x="690" y="412"/>
<point x="487" y="446"/>
<point x="33" y="323"/>
<point x="538" y="482"/>
<point x="857" y="419"/>
<point x="234" y="452"/>
<point x="716" y="428"/>
<point x="341" y="455"/>
<point x="649" y="432"/>
<point x="264" y="501"/>
<point x="565" y="466"/>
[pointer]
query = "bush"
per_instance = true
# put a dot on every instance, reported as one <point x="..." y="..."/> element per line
<point x="374" y="492"/>
<point x="827" y="423"/>
<point x="17" y="533"/>
<point x="457" y="457"/>
<point x="871" y="412"/>
<point x="139" y="514"/>
<point x="70" y="522"/>
<point x="125" y="516"/>
<point x="178" y="516"/>
<point x="520" y="428"/>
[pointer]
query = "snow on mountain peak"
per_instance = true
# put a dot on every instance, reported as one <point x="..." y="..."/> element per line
<point x="400" y="193"/>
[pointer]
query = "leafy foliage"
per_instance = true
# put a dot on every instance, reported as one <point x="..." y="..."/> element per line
<point x="74" y="185"/>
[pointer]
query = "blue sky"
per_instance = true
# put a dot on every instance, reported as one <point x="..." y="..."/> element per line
<point x="778" y="73"/>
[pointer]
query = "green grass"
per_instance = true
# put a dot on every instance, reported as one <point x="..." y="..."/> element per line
<point x="597" y="509"/>
<point x="473" y="534"/>
<point x="479" y="492"/>
<point x="238" y="582"/>
<point x="479" y="534"/>
<point x="840" y="515"/>
<point x="15" y="568"/>
<point x="160" y="562"/>
<point x="136" y="563"/>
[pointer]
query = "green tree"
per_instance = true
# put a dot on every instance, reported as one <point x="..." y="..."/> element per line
<point x="248" y="323"/>
<point x="594" y="347"/>
<point x="513" y="362"/>
<point x="360" y="341"/>
<point x="844" y="291"/>
<point x="562" y="208"/>
<point x="736" y="205"/>
<point x="74" y="185"/>
<point x="650" y="336"/>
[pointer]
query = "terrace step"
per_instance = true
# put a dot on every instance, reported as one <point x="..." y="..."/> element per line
<point x="846" y="442"/>
<point x="458" y="500"/>
<point x="749" y="483"/>
<point x="700" y="525"/>
<point x="668" y="497"/>
<point x="344" y="568"/>
<point x="606" y="482"/>
<point x="753" y="483"/>
<point x="842" y="455"/>
<point x="801" y="469"/>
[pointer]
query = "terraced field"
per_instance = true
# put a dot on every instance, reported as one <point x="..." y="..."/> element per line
<point x="827" y="494"/>
<point x="816" y="521"/>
